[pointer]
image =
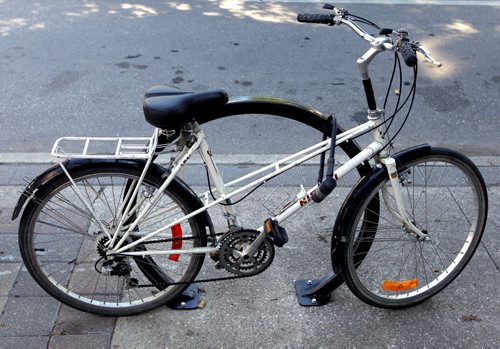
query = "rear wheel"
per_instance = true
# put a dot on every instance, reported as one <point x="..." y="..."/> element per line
<point x="444" y="196"/>
<point x="64" y="247"/>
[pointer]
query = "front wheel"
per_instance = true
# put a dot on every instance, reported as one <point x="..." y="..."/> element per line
<point x="445" y="196"/>
<point x="64" y="248"/>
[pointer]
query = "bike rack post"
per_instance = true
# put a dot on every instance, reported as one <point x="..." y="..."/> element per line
<point x="317" y="292"/>
<point x="189" y="299"/>
<point x="314" y="292"/>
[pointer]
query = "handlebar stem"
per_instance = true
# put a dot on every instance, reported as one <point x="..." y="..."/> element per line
<point x="365" y="60"/>
<point x="379" y="44"/>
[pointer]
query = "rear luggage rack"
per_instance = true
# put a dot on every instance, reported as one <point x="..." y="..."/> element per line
<point x="104" y="147"/>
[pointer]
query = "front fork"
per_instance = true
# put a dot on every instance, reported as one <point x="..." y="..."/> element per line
<point x="399" y="213"/>
<point x="383" y="157"/>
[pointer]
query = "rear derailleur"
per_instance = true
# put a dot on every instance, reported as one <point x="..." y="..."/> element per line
<point x="114" y="266"/>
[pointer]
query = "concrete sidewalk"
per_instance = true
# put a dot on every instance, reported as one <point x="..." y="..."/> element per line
<point x="262" y="311"/>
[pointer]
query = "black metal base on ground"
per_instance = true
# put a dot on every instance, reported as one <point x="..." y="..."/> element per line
<point x="317" y="292"/>
<point x="309" y="292"/>
<point x="189" y="299"/>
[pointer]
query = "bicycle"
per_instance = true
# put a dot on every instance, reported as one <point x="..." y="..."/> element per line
<point x="95" y="226"/>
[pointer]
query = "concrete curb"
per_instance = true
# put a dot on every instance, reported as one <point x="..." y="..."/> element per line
<point x="222" y="159"/>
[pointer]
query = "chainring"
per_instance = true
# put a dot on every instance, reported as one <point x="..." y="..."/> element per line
<point x="232" y="258"/>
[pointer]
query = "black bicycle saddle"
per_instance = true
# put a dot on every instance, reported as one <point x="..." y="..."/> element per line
<point x="169" y="108"/>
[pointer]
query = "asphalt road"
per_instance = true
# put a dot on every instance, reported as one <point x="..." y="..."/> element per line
<point x="81" y="68"/>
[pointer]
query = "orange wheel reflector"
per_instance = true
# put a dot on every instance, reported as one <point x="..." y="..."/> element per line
<point x="399" y="285"/>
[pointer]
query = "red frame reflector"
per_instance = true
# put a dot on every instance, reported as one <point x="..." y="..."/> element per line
<point x="176" y="244"/>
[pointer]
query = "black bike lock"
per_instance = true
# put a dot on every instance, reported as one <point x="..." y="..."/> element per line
<point x="329" y="183"/>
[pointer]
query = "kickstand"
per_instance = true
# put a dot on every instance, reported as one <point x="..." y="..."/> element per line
<point x="189" y="299"/>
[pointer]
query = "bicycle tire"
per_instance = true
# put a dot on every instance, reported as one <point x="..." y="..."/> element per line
<point x="59" y="243"/>
<point x="398" y="270"/>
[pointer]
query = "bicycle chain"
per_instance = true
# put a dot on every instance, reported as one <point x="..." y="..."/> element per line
<point x="193" y="281"/>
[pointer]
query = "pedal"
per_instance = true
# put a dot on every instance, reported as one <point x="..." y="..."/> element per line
<point x="215" y="257"/>
<point x="275" y="232"/>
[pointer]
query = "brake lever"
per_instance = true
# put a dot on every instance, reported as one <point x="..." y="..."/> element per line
<point x="420" y="48"/>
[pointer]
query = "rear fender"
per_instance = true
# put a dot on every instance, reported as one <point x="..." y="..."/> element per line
<point x="268" y="106"/>
<point x="55" y="172"/>
<point x="50" y="173"/>
<point x="281" y="108"/>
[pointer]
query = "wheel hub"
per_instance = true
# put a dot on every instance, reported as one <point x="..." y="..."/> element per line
<point x="114" y="266"/>
<point x="102" y="244"/>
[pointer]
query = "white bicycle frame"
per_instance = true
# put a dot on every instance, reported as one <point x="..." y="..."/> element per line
<point x="201" y="145"/>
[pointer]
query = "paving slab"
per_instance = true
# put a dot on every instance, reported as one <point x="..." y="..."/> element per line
<point x="6" y="223"/>
<point x="24" y="342"/>
<point x="3" y="300"/>
<point x="96" y="341"/>
<point x="263" y="311"/>
<point x="8" y="274"/>
<point x="28" y="316"/>
<point x="9" y="249"/>
<point x="74" y="322"/>
<point x="25" y="286"/>
<point x="491" y="238"/>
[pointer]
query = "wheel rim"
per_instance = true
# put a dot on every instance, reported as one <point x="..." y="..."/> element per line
<point x="64" y="246"/>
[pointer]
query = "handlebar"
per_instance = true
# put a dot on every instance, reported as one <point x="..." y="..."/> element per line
<point x="336" y="18"/>
<point x="383" y="42"/>
<point x="315" y="18"/>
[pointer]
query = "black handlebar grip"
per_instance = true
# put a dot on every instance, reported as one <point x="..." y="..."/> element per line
<point x="315" y="18"/>
<point x="408" y="54"/>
